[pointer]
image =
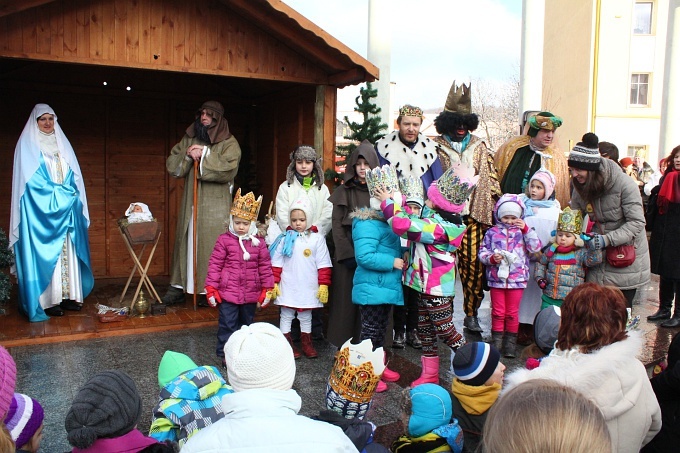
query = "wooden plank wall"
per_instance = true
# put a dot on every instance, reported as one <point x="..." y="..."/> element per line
<point x="202" y="37"/>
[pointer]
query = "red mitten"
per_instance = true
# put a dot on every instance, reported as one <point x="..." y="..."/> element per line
<point x="263" y="295"/>
<point x="213" y="296"/>
<point x="494" y="261"/>
<point x="542" y="283"/>
<point x="314" y="229"/>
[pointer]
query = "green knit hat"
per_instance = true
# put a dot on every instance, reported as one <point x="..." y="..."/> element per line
<point x="172" y="365"/>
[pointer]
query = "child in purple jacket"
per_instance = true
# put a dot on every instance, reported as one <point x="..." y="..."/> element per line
<point x="239" y="271"/>
<point x="505" y="252"/>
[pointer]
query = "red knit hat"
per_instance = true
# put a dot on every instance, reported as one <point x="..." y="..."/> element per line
<point x="8" y="378"/>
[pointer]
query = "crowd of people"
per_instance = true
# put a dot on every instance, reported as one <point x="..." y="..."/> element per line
<point x="545" y="234"/>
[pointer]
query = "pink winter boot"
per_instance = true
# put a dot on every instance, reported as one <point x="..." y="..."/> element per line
<point x="381" y="387"/>
<point x="430" y="373"/>
<point x="389" y="375"/>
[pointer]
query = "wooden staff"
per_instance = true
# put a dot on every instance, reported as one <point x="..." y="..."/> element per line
<point x="195" y="232"/>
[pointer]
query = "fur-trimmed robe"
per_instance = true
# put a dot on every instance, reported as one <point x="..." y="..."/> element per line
<point x="614" y="379"/>
<point x="407" y="161"/>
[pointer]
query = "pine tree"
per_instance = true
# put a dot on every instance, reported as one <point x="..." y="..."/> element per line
<point x="370" y="129"/>
<point x="6" y="260"/>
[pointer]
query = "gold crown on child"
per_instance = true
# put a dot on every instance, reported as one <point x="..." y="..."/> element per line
<point x="246" y="207"/>
<point x="570" y="221"/>
<point x="382" y="176"/>
<point x="412" y="188"/>
<point x="354" y="383"/>
<point x="457" y="183"/>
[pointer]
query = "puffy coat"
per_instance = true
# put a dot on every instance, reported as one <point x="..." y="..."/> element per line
<point x="376" y="281"/>
<point x="510" y="239"/>
<point x="562" y="278"/>
<point x="237" y="280"/>
<point x="620" y="218"/>
<point x="664" y="245"/>
<point x="322" y="209"/>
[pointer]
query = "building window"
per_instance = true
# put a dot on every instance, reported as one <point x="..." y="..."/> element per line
<point x="642" y="18"/>
<point x="639" y="89"/>
<point x="638" y="151"/>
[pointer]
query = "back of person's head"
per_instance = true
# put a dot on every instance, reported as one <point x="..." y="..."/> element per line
<point x="8" y="378"/>
<point x="609" y="150"/>
<point x="430" y="408"/>
<point x="593" y="316"/>
<point x="475" y="362"/>
<point x="24" y="419"/>
<point x="546" y="328"/>
<point x="107" y="406"/>
<point x="172" y="365"/>
<point x="543" y="416"/>
<point x="259" y="356"/>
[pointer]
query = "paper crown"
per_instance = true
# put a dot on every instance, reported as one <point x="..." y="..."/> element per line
<point x="412" y="188"/>
<point x="459" y="99"/>
<point x="382" y="176"/>
<point x="246" y="207"/>
<point x="354" y="377"/>
<point x="457" y="183"/>
<point x="411" y="110"/>
<point x="570" y="221"/>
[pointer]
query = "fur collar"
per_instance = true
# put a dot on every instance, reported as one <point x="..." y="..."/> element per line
<point x="406" y="161"/>
<point x="367" y="214"/>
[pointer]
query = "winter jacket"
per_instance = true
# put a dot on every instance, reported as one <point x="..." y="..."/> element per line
<point x="614" y="379"/>
<point x="510" y="239"/>
<point x="192" y="401"/>
<point x="267" y="420"/>
<point x="664" y="244"/>
<point x="562" y="278"/>
<point x="376" y="281"/>
<point x="322" y="209"/>
<point x="667" y="389"/>
<point x="446" y="438"/>
<point x="471" y="405"/>
<point x="359" y="432"/>
<point x="432" y="241"/>
<point x="237" y="280"/>
<point x="620" y="218"/>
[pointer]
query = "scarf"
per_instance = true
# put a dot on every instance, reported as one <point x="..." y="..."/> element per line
<point x="669" y="192"/>
<point x="288" y="239"/>
<point x="475" y="399"/>
<point x="250" y="235"/>
<point x="460" y="146"/>
<point x="534" y="205"/>
<point x="563" y="255"/>
<point x="305" y="181"/>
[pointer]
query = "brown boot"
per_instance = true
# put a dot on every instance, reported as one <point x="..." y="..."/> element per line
<point x="307" y="347"/>
<point x="296" y="351"/>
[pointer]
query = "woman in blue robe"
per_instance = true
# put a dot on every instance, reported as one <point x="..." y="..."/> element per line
<point x="49" y="220"/>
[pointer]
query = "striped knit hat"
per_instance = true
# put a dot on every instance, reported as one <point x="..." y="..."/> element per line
<point x="586" y="154"/>
<point x="23" y="419"/>
<point x="474" y="363"/>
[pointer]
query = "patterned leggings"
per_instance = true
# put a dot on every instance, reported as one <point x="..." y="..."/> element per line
<point x="374" y="319"/>
<point x="435" y="319"/>
<point x="470" y="268"/>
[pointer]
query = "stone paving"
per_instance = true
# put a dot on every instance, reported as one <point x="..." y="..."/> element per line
<point x="53" y="373"/>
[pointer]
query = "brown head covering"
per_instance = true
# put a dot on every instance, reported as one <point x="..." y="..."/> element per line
<point x="219" y="129"/>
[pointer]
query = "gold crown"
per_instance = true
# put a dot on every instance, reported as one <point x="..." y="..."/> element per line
<point x="459" y="99"/>
<point x="411" y="110"/>
<point x="382" y="176"/>
<point x="570" y="221"/>
<point x="246" y="207"/>
<point x="354" y="383"/>
<point x="457" y="183"/>
<point x="412" y="188"/>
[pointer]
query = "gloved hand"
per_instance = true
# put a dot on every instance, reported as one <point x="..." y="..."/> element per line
<point x="322" y="294"/>
<point x="314" y="229"/>
<point x="263" y="295"/>
<point x="276" y="292"/>
<point x="212" y="296"/>
<point x="597" y="242"/>
<point x="349" y="263"/>
<point x="265" y="298"/>
<point x="542" y="283"/>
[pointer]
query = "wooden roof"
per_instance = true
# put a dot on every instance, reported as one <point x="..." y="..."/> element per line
<point x="272" y="42"/>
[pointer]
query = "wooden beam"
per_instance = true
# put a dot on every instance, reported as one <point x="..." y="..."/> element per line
<point x="8" y="7"/>
<point x="350" y="77"/>
<point x="319" y="119"/>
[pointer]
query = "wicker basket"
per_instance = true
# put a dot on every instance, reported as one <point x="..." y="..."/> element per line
<point x="139" y="233"/>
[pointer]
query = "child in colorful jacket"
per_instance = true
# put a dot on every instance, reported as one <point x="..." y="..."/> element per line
<point x="562" y="266"/>
<point x="431" y="267"/>
<point x="190" y="398"/>
<point x="505" y="252"/>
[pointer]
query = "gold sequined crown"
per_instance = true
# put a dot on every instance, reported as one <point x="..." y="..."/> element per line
<point x="382" y="176"/>
<point x="459" y="99"/>
<point x="411" y="110"/>
<point x="570" y="221"/>
<point x="457" y="183"/>
<point x="246" y="207"/>
<point x="412" y="188"/>
<point x="356" y="383"/>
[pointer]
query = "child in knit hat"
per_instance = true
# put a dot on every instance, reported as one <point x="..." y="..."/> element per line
<point x="190" y="398"/>
<point x="427" y="415"/>
<point x="24" y="422"/>
<point x="239" y="271"/>
<point x="505" y="251"/>
<point x="478" y="379"/>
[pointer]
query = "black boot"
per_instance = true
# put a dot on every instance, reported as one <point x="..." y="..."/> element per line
<point x="472" y="323"/>
<point x="510" y="345"/>
<point x="666" y="294"/>
<point x="173" y="296"/>
<point x="675" y="320"/>
<point x="663" y="312"/>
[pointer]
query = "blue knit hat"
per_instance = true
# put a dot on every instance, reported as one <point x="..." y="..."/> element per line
<point x="430" y="409"/>
<point x="474" y="363"/>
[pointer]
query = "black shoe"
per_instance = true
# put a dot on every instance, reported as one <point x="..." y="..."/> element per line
<point x="413" y="340"/>
<point x="673" y="322"/>
<point x="173" y="296"/>
<point x="661" y="313"/>
<point x="54" y="311"/>
<point x="68" y="304"/>
<point x="202" y="301"/>
<point x="399" y="340"/>
<point x="472" y="323"/>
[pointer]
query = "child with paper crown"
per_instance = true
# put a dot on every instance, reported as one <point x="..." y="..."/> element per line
<point x="505" y="252"/>
<point x="239" y="271"/>
<point x="562" y="266"/>
<point x="433" y="237"/>
<point x="302" y="273"/>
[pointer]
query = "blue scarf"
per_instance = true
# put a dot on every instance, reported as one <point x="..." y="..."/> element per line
<point x="529" y="203"/>
<point x="289" y="238"/>
<point x="463" y="143"/>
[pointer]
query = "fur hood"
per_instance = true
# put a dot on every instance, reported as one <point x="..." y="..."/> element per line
<point x="367" y="214"/>
<point x="604" y="376"/>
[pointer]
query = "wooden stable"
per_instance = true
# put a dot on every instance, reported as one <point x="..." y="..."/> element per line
<point x="275" y="72"/>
